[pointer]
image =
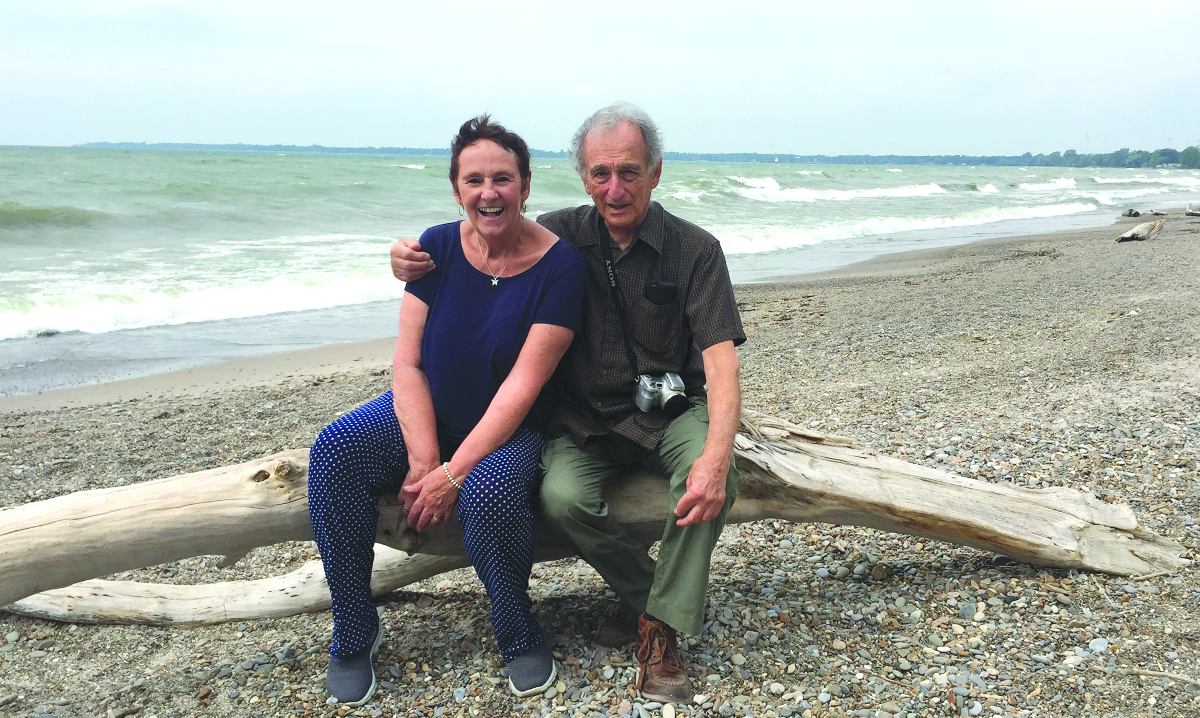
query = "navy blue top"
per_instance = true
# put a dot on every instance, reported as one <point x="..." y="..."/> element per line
<point x="475" y="331"/>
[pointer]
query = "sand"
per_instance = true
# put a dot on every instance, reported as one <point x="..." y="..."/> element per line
<point x="1055" y="360"/>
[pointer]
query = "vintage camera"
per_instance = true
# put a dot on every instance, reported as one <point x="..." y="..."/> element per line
<point x="661" y="392"/>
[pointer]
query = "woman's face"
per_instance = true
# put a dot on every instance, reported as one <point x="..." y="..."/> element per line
<point x="490" y="189"/>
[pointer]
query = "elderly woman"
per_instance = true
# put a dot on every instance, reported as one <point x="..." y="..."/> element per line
<point x="458" y="435"/>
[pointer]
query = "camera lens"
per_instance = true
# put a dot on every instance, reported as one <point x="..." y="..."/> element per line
<point x="676" y="405"/>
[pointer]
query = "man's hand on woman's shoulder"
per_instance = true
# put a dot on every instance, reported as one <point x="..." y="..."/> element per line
<point x="409" y="263"/>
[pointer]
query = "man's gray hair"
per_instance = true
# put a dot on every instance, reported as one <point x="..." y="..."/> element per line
<point x="614" y="115"/>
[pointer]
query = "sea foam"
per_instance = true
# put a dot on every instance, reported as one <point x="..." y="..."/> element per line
<point x="1142" y="179"/>
<point x="223" y="279"/>
<point x="741" y="240"/>
<point x="96" y="308"/>
<point x="767" y="189"/>
<point x="1060" y="183"/>
<point x="1118" y="196"/>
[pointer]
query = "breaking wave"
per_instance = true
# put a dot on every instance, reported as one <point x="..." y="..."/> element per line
<point x="1060" y="183"/>
<point x="739" y="240"/>
<point x="767" y="189"/>
<point x="1142" y="179"/>
<point x="14" y="215"/>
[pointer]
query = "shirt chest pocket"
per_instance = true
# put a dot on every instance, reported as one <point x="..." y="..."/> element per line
<point x="656" y="329"/>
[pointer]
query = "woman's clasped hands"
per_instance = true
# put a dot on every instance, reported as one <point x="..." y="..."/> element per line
<point x="427" y="496"/>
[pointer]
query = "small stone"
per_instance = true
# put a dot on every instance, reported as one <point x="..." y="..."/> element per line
<point x="1098" y="645"/>
<point x="460" y="694"/>
<point x="822" y="573"/>
<point x="841" y="572"/>
<point x="824" y="697"/>
<point x="668" y="711"/>
<point x="12" y="636"/>
<point x="331" y="701"/>
<point x="699" y="699"/>
<point x="738" y="659"/>
<point x="838" y="644"/>
<point x="777" y="688"/>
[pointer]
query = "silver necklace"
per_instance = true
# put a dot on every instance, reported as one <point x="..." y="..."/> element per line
<point x="487" y="267"/>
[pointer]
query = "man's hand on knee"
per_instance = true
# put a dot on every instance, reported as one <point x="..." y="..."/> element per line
<point x="705" y="494"/>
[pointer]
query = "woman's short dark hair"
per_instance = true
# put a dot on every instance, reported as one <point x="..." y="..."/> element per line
<point x="482" y="128"/>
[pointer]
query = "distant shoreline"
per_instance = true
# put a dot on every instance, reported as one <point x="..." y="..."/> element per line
<point x="1124" y="158"/>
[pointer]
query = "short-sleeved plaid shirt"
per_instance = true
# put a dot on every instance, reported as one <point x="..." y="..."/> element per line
<point x="595" y="378"/>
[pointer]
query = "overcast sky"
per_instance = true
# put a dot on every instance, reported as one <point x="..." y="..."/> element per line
<point x="905" y="77"/>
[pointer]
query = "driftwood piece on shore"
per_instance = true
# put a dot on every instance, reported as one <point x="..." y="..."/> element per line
<point x="787" y="473"/>
<point x="1145" y="230"/>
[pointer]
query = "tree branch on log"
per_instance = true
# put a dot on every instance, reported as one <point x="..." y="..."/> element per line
<point x="787" y="472"/>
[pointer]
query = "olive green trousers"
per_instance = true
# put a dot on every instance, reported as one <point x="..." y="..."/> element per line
<point x="672" y="588"/>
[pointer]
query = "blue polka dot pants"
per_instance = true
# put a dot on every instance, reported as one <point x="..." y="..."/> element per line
<point x="360" y="457"/>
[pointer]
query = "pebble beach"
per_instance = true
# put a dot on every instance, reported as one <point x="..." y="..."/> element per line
<point x="1042" y="361"/>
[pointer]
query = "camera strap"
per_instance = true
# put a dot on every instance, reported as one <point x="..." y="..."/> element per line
<point x="615" y="293"/>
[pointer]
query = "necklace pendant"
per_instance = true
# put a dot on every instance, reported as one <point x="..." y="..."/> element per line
<point x="495" y="281"/>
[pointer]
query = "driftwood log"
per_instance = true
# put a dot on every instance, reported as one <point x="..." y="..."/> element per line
<point x="787" y="473"/>
<point x="1145" y="230"/>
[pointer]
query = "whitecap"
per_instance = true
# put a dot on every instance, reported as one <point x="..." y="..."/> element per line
<point x="767" y="189"/>
<point x="1189" y="182"/>
<point x="99" y="307"/>
<point x="1054" y="184"/>
<point x="746" y="240"/>
<point x="686" y="195"/>
<point x="1119" y="196"/>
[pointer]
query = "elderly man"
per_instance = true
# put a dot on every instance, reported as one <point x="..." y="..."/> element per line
<point x="659" y="320"/>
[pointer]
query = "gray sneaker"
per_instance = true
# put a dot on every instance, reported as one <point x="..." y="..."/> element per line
<point x="532" y="672"/>
<point x="351" y="680"/>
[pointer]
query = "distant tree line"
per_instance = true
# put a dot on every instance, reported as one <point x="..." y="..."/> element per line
<point x="1124" y="157"/>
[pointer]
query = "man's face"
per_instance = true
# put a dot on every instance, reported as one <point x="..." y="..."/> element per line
<point x="617" y="178"/>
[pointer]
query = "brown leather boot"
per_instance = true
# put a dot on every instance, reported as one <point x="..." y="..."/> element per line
<point x="619" y="629"/>
<point x="662" y="675"/>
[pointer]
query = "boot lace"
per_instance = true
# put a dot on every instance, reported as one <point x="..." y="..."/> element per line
<point x="660" y="648"/>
